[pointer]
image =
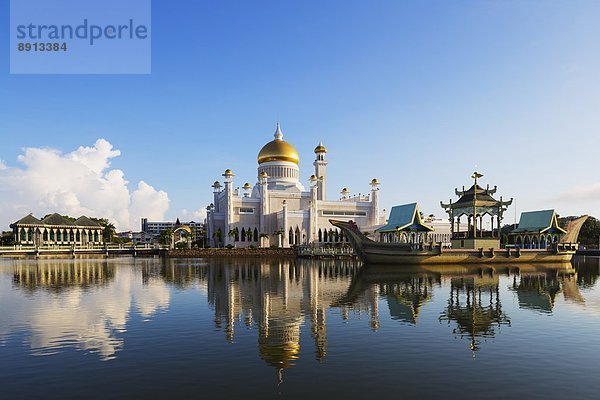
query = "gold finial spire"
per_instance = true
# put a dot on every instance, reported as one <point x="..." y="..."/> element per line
<point x="476" y="175"/>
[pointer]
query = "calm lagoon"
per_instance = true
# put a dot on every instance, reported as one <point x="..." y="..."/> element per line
<point x="164" y="328"/>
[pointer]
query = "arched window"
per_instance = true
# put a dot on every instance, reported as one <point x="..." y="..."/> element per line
<point x="325" y="236"/>
<point x="291" y="236"/>
<point x="243" y="235"/>
<point x="255" y="235"/>
<point x="45" y="236"/>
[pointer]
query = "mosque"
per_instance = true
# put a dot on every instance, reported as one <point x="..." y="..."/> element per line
<point x="278" y="210"/>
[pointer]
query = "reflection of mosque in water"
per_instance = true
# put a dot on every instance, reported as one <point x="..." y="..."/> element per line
<point x="278" y="296"/>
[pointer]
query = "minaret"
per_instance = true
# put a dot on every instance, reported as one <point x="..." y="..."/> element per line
<point x="216" y="190"/>
<point x="375" y="202"/>
<point x="286" y="241"/>
<point x="313" y="210"/>
<point x="321" y="170"/>
<point x="264" y="204"/>
<point x="229" y="207"/>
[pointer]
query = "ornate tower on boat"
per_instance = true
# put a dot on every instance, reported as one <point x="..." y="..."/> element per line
<point x="477" y="205"/>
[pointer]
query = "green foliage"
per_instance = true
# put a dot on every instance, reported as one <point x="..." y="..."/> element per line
<point x="590" y="233"/>
<point x="165" y="236"/>
<point x="7" y="239"/>
<point x="229" y="246"/>
<point x="181" y="246"/>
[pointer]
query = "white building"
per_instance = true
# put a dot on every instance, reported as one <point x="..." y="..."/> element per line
<point x="154" y="228"/>
<point x="278" y="210"/>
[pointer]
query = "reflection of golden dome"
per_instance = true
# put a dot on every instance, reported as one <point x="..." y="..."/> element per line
<point x="278" y="150"/>
<point x="279" y="355"/>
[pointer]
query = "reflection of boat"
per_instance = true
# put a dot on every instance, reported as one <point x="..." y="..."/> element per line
<point x="409" y="253"/>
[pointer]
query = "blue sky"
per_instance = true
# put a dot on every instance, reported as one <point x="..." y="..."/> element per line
<point x="415" y="93"/>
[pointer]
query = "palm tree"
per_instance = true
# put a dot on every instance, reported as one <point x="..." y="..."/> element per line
<point x="263" y="236"/>
<point x="233" y="233"/>
<point x="278" y="233"/>
<point x="109" y="231"/>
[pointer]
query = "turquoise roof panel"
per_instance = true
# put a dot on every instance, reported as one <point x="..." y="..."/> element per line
<point x="537" y="221"/>
<point x="404" y="217"/>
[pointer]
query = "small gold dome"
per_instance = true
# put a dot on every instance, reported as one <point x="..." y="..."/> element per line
<point x="263" y="174"/>
<point x="320" y="148"/>
<point x="247" y="186"/>
<point x="278" y="150"/>
<point x="374" y="181"/>
<point x="228" y="172"/>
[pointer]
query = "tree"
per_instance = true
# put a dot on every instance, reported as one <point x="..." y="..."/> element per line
<point x="590" y="231"/>
<point x="165" y="236"/>
<point x="7" y="239"/>
<point x="234" y="234"/>
<point x="109" y="232"/>
<point x="218" y="235"/>
<point x="262" y="237"/>
<point x="589" y="236"/>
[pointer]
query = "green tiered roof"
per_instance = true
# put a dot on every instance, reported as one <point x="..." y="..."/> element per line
<point x="28" y="220"/>
<point x="85" y="221"/>
<point x="405" y="217"/>
<point x="538" y="222"/>
<point x="57" y="219"/>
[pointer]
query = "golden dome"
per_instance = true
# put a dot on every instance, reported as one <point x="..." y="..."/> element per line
<point x="247" y="186"/>
<point x="278" y="150"/>
<point x="228" y="172"/>
<point x="320" y="148"/>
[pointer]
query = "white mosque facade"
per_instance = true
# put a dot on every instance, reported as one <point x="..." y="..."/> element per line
<point x="279" y="210"/>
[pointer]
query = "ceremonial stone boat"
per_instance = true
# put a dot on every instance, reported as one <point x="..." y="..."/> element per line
<point x="373" y="252"/>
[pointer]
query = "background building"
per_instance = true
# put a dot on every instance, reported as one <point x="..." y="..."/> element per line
<point x="151" y="230"/>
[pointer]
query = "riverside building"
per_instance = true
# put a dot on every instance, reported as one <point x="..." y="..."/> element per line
<point x="278" y="209"/>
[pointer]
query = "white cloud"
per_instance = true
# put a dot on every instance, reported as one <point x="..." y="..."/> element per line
<point x="2" y="165"/>
<point x="197" y="216"/>
<point x="76" y="183"/>
<point x="581" y="193"/>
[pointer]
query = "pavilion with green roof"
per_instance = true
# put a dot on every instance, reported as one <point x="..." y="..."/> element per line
<point x="474" y="205"/>
<point x="55" y="229"/>
<point x="404" y="226"/>
<point x="537" y="230"/>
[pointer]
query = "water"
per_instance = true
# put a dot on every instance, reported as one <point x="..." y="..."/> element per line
<point x="133" y="328"/>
